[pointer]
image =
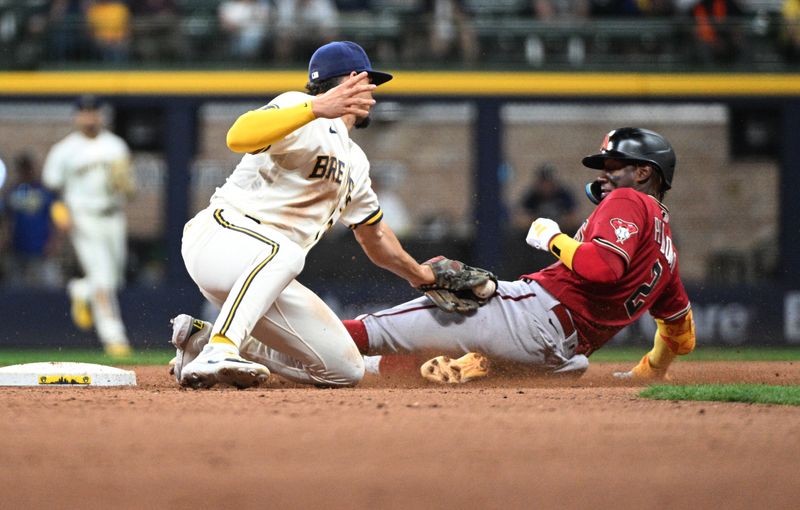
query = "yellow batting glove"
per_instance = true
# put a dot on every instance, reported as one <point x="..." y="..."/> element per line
<point x="60" y="215"/>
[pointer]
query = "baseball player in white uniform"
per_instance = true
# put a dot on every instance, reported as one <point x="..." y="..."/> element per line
<point x="90" y="168"/>
<point x="2" y="173"/>
<point x="300" y="175"/>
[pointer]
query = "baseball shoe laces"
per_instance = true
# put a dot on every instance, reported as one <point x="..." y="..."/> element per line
<point x="222" y="364"/>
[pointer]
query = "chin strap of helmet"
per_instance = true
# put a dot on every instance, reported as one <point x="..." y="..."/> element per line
<point x="593" y="192"/>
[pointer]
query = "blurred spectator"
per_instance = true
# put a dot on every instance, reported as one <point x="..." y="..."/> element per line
<point x="407" y="39"/>
<point x="452" y="32"/>
<point x="663" y="8"/>
<point x="386" y="178"/>
<point x="552" y="12"/>
<point x="34" y="242"/>
<point x="547" y="198"/>
<point x="67" y="20"/>
<point x="109" y="25"/>
<point x="247" y="24"/>
<point x="303" y="26"/>
<point x="790" y="30"/>
<point x="23" y="29"/>
<point x="155" y="33"/>
<point x="718" y="31"/>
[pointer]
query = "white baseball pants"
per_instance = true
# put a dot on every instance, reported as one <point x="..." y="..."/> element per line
<point x="100" y="245"/>
<point x="248" y="270"/>
<point x="518" y="325"/>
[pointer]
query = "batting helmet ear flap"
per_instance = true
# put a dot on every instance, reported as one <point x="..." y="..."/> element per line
<point x="593" y="192"/>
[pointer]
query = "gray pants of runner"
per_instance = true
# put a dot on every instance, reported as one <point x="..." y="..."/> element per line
<point x="517" y="325"/>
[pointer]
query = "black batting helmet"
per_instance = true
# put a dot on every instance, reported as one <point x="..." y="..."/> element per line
<point x="636" y="144"/>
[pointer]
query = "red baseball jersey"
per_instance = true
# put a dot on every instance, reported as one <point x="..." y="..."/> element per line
<point x="634" y="226"/>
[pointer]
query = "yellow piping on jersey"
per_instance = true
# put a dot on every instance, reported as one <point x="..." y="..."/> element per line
<point x="275" y="247"/>
<point x="372" y="219"/>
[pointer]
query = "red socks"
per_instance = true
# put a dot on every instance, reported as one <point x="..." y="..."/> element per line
<point x="400" y="364"/>
<point x="358" y="332"/>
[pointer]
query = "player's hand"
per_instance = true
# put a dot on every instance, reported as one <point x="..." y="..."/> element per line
<point x="353" y="96"/>
<point x="60" y="216"/>
<point x="542" y="231"/>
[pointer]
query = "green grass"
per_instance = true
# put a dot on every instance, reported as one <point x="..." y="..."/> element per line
<point x="627" y="354"/>
<point x="750" y="393"/>
<point x="608" y="354"/>
<point x="140" y="357"/>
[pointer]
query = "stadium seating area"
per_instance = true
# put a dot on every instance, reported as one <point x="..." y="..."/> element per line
<point x="659" y="35"/>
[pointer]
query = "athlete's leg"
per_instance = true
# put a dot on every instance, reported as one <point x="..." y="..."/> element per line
<point x="241" y="265"/>
<point x="516" y="325"/>
<point x="93" y="246"/>
<point x="245" y="266"/>
<point x="249" y="271"/>
<point x="301" y="339"/>
<point x="118" y="246"/>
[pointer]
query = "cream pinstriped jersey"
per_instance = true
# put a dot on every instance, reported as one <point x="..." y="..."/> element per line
<point x="302" y="185"/>
<point x="82" y="167"/>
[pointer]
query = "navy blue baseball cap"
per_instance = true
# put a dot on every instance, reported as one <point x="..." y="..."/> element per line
<point x="341" y="58"/>
<point x="88" y="102"/>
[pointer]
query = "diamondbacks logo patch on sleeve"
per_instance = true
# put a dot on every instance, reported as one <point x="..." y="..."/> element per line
<point x="623" y="229"/>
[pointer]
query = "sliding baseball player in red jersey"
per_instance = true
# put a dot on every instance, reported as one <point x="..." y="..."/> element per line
<point x="621" y="263"/>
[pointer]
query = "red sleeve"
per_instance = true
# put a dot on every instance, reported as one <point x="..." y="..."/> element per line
<point x="597" y="264"/>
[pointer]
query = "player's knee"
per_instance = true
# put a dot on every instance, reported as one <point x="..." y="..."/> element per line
<point x="345" y="371"/>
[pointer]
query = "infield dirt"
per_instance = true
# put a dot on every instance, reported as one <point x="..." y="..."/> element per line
<point x="505" y="442"/>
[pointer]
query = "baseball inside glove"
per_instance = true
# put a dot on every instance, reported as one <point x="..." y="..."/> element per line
<point x="452" y="290"/>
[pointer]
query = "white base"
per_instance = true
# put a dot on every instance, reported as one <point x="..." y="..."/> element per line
<point x="57" y="373"/>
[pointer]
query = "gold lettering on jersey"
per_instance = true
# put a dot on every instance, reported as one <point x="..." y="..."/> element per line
<point x="328" y="167"/>
<point x="350" y="187"/>
<point x="664" y="242"/>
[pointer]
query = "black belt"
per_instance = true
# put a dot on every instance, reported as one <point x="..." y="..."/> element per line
<point x="564" y="318"/>
<point x="109" y="211"/>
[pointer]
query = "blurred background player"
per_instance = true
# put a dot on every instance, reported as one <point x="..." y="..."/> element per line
<point x="33" y="241"/>
<point x="91" y="170"/>
<point x="547" y="197"/>
<point x="300" y="175"/>
<point x="620" y="264"/>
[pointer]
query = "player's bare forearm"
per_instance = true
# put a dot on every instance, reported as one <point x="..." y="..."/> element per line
<point x="384" y="250"/>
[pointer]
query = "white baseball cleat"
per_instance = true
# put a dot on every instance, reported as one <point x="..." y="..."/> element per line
<point x="445" y="370"/>
<point x="189" y="336"/>
<point x="222" y="364"/>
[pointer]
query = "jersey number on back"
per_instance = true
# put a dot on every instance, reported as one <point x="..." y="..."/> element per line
<point x="637" y="299"/>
